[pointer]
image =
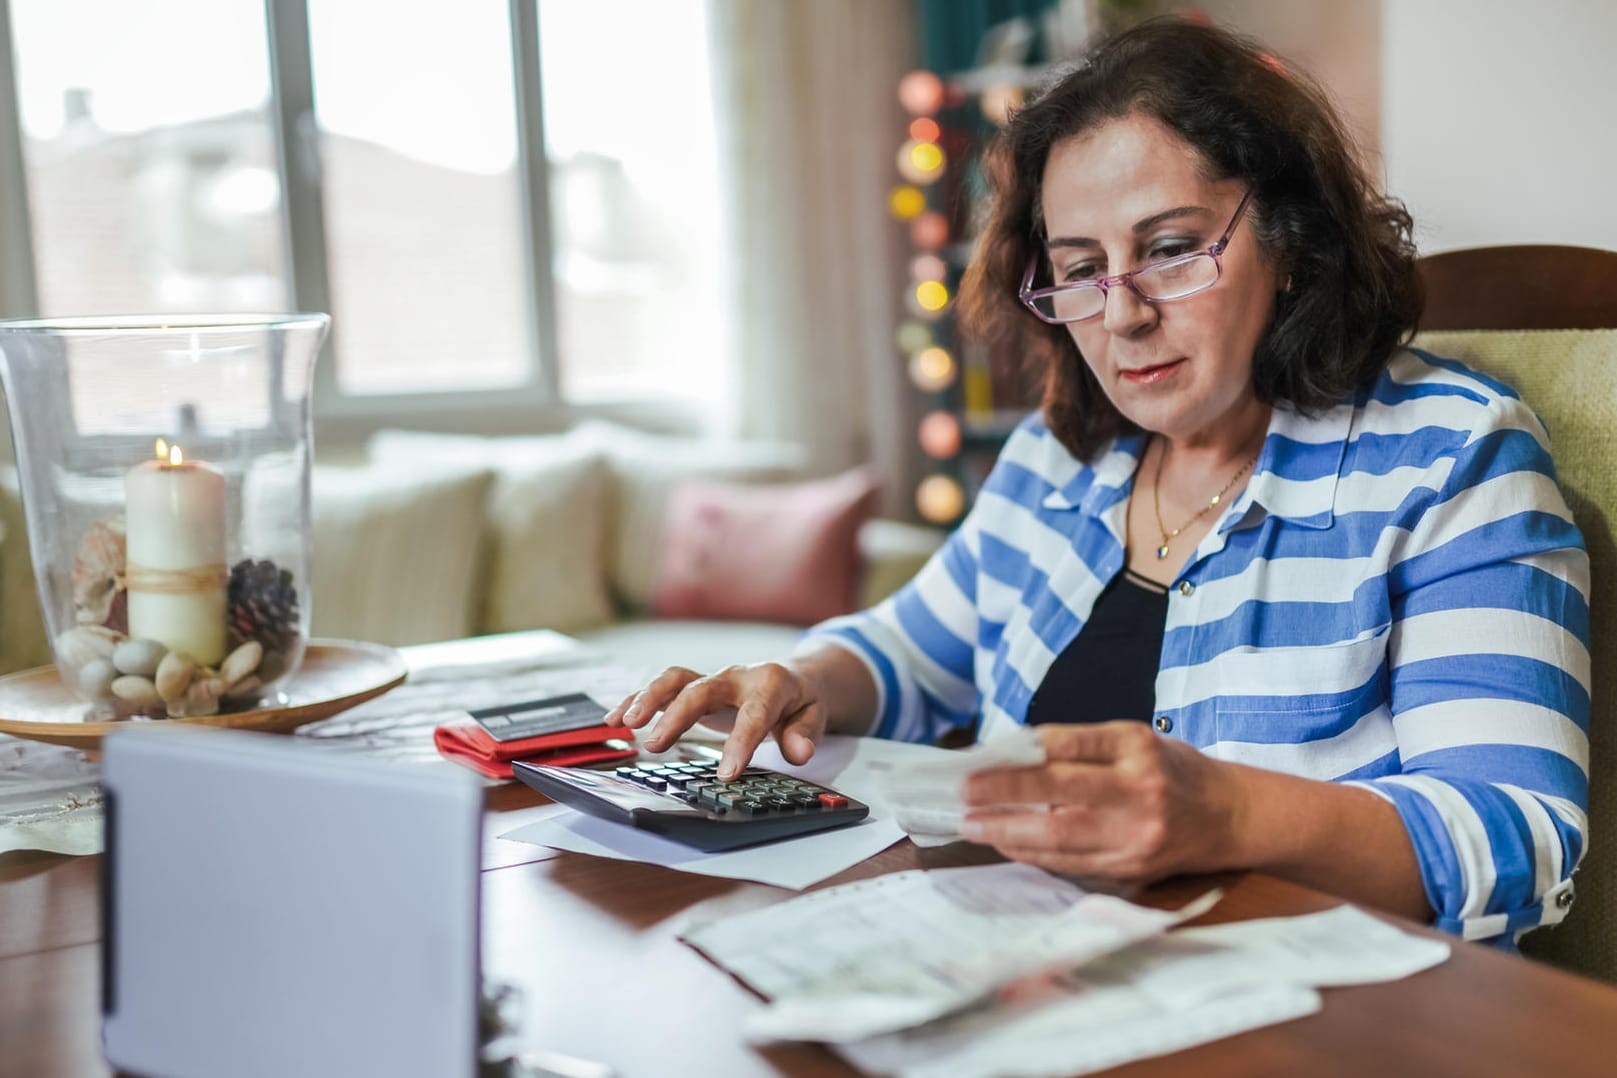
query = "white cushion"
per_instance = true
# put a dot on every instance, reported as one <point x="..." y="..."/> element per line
<point x="549" y="516"/>
<point x="547" y="557"/>
<point x="643" y="467"/>
<point x="397" y="552"/>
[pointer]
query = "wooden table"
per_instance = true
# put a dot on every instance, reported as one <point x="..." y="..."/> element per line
<point x="592" y="944"/>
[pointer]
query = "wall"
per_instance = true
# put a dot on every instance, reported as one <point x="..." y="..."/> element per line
<point x="1497" y="120"/>
<point x="1338" y="42"/>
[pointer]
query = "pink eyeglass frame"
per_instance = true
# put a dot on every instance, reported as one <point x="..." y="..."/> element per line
<point x="1028" y="295"/>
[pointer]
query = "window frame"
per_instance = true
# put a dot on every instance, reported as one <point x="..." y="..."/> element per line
<point x="534" y="405"/>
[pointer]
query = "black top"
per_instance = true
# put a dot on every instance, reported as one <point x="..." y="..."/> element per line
<point x="1109" y="671"/>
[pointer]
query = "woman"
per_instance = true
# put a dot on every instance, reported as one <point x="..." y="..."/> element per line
<point x="1334" y="576"/>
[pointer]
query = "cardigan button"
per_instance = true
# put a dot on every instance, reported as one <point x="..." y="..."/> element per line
<point x="1564" y="899"/>
<point x="1186" y="588"/>
<point x="1164" y="723"/>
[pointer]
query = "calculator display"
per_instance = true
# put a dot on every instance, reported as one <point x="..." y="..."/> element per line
<point x="535" y="718"/>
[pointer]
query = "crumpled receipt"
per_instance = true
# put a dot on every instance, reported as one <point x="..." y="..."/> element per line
<point x="925" y="797"/>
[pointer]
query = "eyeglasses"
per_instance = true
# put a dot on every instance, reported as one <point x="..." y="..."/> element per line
<point x="1171" y="278"/>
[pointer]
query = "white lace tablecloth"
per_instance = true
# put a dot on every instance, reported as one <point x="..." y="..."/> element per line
<point x="50" y="796"/>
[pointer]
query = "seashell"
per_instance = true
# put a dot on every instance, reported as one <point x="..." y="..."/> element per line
<point x="138" y="657"/>
<point x="241" y="662"/>
<point x="98" y="570"/>
<point x="200" y="699"/>
<point x="78" y="647"/>
<point x="136" y="690"/>
<point x="174" y="676"/>
<point x="96" y="678"/>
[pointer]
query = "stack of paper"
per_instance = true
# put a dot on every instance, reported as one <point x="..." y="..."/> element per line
<point x="1005" y="970"/>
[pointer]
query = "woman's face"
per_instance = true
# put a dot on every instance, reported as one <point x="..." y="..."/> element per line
<point x="1126" y="194"/>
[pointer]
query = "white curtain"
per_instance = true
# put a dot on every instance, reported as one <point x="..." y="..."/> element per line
<point x="809" y="129"/>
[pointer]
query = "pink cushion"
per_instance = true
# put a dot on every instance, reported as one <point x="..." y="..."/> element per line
<point x="786" y="552"/>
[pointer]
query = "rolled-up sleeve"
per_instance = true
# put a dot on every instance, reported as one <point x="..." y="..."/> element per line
<point x="1488" y="662"/>
<point x="919" y="644"/>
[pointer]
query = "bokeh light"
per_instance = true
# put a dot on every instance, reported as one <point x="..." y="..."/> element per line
<point x="920" y="162"/>
<point x="928" y="268"/>
<point x="932" y="369"/>
<point x="913" y="337"/>
<point x="940" y="499"/>
<point x="925" y="129"/>
<point x="929" y="231"/>
<point x="931" y="295"/>
<point x="997" y="103"/>
<point x="921" y="93"/>
<point x="939" y="435"/>
<point x="906" y="202"/>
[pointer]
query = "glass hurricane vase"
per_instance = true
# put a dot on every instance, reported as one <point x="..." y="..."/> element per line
<point x="164" y="470"/>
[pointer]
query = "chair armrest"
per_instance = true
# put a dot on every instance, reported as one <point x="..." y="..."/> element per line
<point x="892" y="552"/>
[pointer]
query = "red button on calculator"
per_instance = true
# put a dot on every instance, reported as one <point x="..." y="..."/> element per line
<point x="833" y="801"/>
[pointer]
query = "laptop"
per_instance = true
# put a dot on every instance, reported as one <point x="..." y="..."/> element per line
<point x="273" y="908"/>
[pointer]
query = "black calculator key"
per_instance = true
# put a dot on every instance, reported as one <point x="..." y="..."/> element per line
<point x="656" y="782"/>
<point x="805" y="802"/>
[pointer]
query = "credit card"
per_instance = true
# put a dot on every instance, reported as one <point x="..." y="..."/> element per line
<point x="535" y="718"/>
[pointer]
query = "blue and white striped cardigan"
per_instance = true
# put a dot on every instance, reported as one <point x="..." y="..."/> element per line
<point x="1399" y="599"/>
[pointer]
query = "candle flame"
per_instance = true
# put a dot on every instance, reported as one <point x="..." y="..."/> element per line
<point x="175" y="457"/>
<point x="162" y="449"/>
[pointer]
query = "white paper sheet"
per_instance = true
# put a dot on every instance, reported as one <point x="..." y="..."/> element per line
<point x="925" y="798"/>
<point x="1072" y="1032"/>
<point x="897" y="951"/>
<point x="1165" y="994"/>
<point x="849" y="764"/>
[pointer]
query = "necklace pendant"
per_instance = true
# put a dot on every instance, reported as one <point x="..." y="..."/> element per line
<point x="1162" y="551"/>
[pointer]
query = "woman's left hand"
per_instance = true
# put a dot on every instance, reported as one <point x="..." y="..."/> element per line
<point x="1125" y="804"/>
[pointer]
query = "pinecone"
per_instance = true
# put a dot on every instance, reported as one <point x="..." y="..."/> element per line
<point x="263" y="605"/>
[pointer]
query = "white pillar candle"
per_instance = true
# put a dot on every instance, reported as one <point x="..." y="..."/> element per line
<point x="175" y="521"/>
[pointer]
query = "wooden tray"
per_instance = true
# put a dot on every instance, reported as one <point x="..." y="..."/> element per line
<point x="335" y="675"/>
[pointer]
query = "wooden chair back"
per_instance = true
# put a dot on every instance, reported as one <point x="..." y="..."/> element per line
<point x="1570" y="380"/>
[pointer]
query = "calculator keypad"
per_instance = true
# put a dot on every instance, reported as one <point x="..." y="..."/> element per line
<point x="756" y="791"/>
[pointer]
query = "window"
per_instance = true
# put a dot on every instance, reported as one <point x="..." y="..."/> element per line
<point x="388" y="163"/>
<point x="634" y="210"/>
<point x="150" y="161"/>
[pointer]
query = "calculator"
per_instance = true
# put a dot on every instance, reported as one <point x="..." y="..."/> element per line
<point x="688" y="803"/>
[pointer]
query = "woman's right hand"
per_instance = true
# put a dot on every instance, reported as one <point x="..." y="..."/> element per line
<point x="751" y="702"/>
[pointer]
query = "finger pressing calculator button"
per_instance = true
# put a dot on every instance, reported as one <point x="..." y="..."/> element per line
<point x="834" y="801"/>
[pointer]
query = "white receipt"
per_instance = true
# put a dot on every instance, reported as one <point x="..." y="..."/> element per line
<point x="886" y="954"/>
<point x="925" y="796"/>
<point x="1165" y="994"/>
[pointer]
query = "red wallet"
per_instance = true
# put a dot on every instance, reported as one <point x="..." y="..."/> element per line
<point x="536" y="731"/>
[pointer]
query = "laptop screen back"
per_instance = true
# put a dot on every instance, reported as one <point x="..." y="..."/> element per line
<point x="273" y="908"/>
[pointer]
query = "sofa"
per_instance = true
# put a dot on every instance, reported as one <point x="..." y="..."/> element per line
<point x="425" y="537"/>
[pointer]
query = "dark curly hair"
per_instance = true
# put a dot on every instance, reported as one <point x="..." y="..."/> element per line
<point x="1355" y="296"/>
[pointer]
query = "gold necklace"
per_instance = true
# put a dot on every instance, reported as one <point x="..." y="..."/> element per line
<point x="1156" y="500"/>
